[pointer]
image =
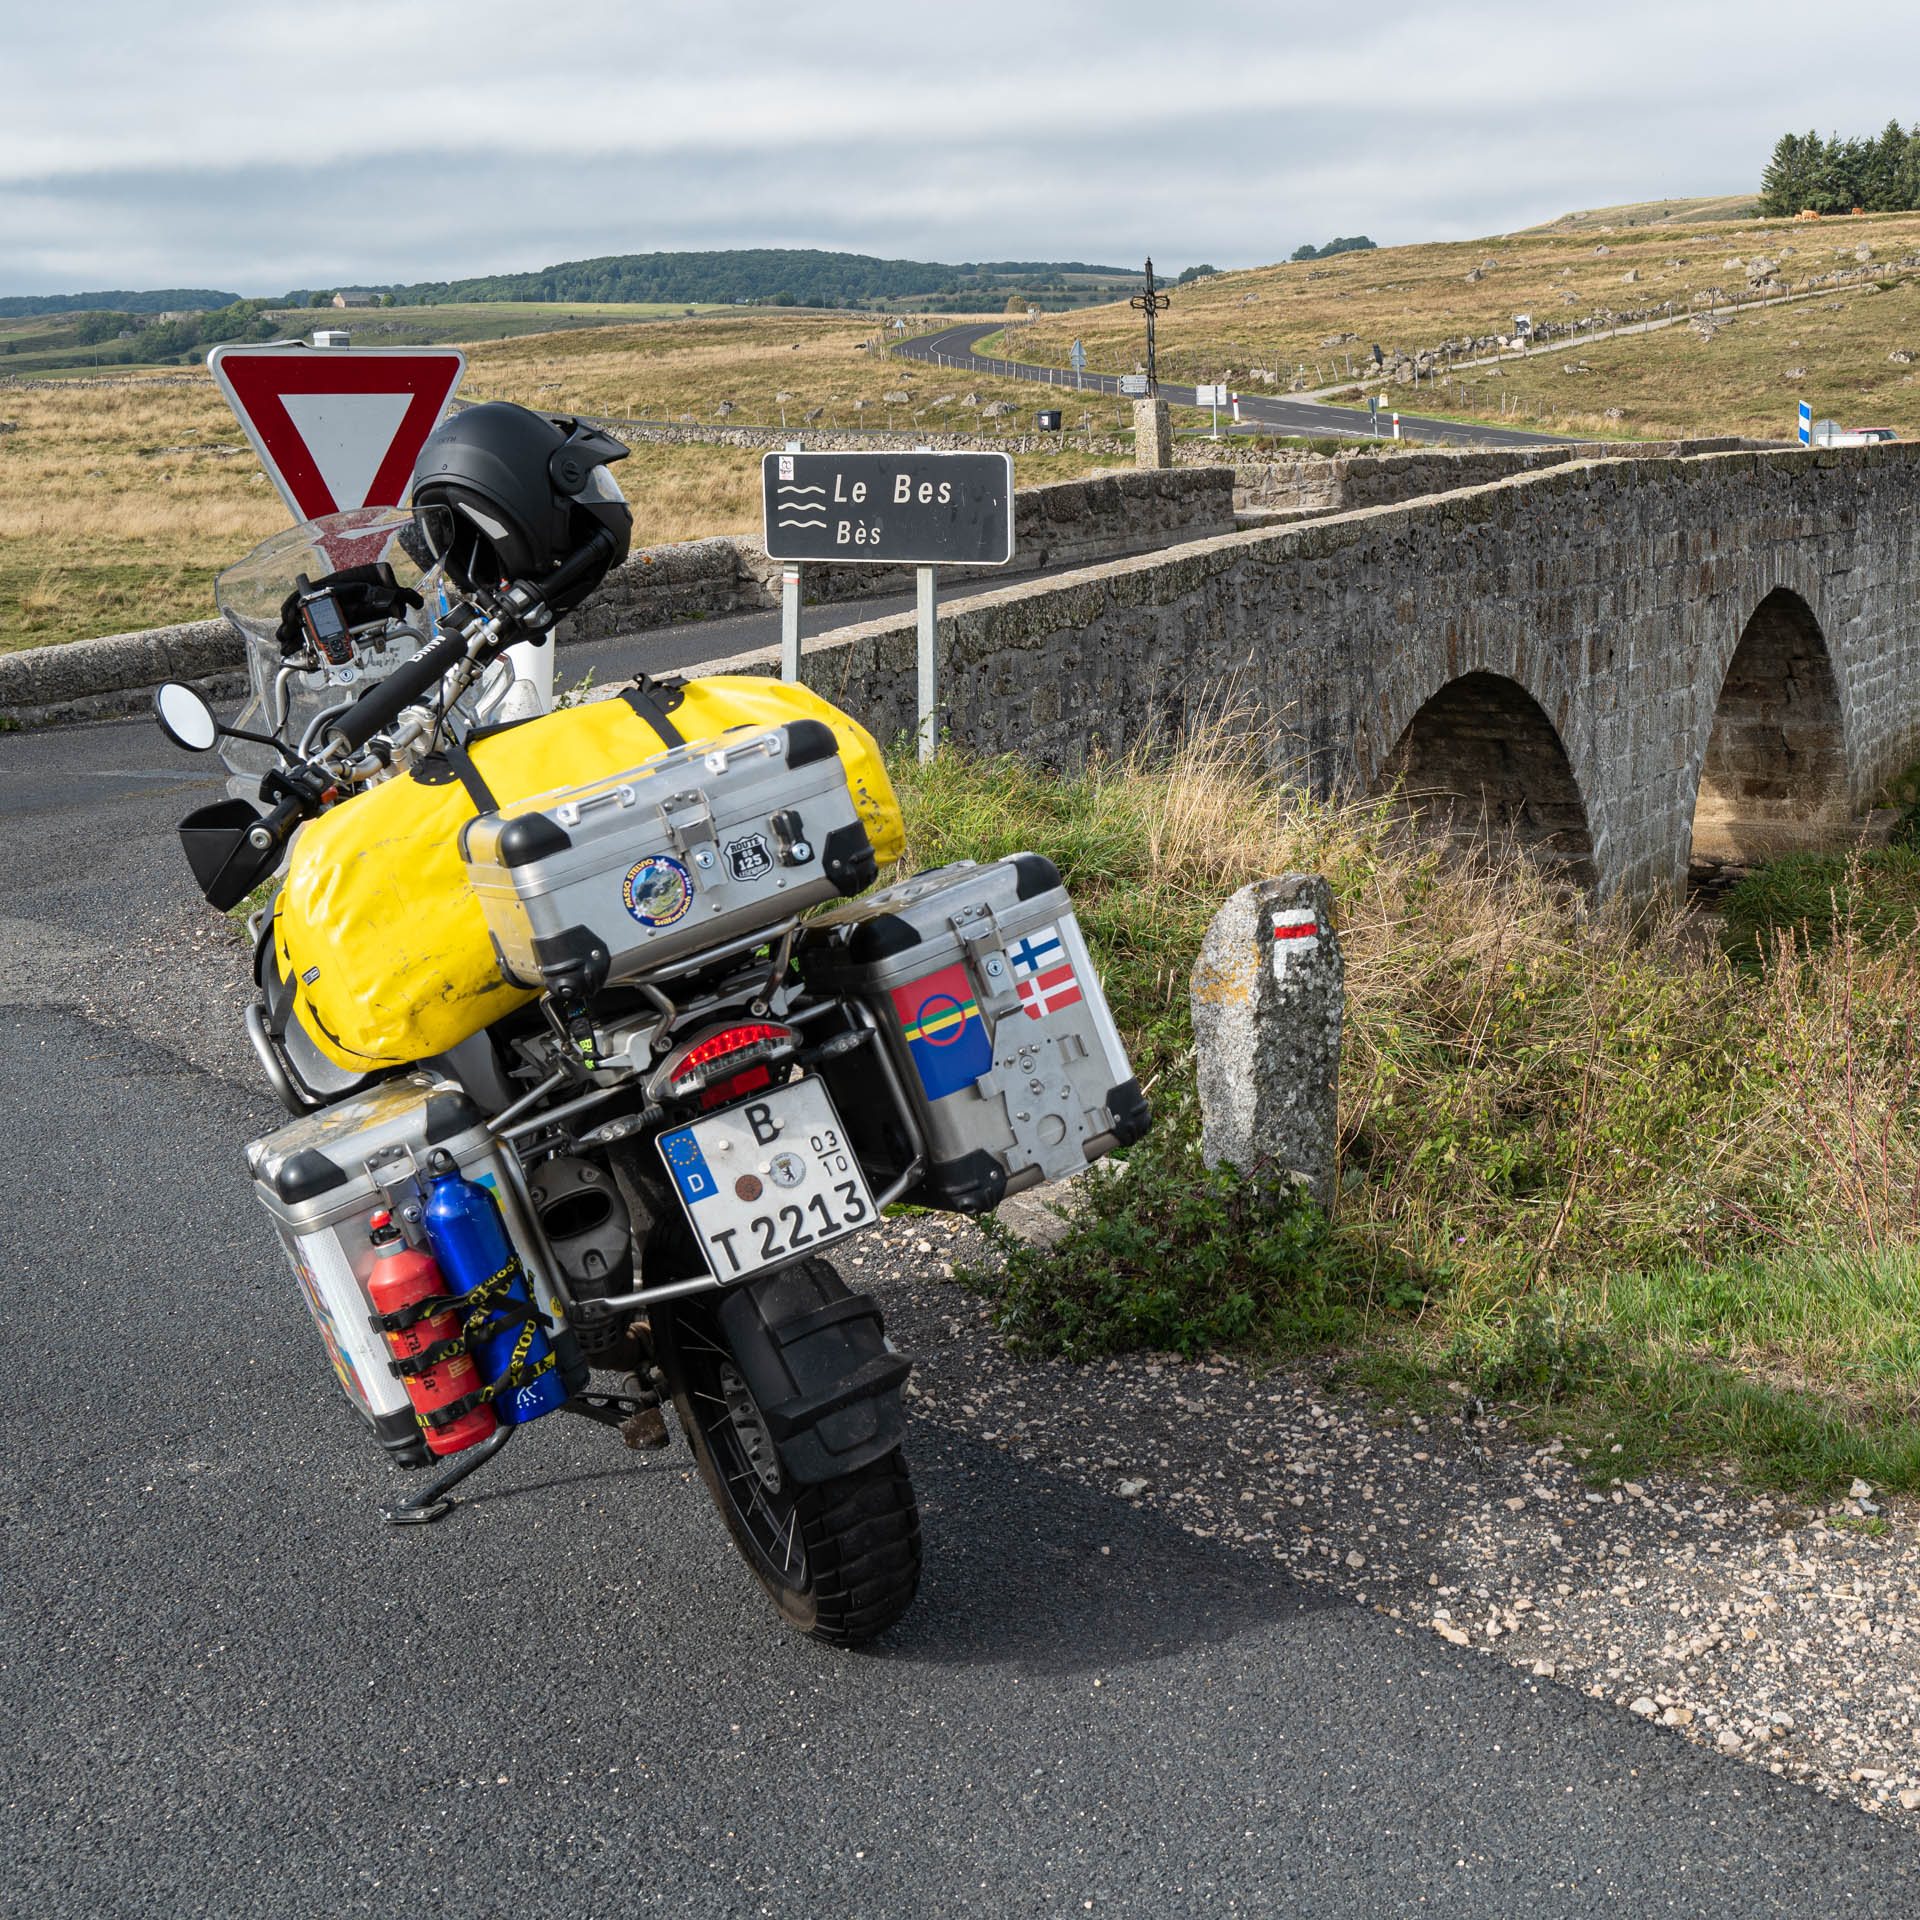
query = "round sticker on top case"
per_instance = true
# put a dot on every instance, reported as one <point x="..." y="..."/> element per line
<point x="658" y="891"/>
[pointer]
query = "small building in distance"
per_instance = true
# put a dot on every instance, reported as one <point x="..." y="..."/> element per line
<point x="356" y="299"/>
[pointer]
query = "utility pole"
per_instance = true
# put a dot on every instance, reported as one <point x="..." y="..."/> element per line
<point x="1150" y="302"/>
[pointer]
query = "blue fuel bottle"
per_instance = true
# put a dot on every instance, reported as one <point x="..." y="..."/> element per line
<point x="469" y="1240"/>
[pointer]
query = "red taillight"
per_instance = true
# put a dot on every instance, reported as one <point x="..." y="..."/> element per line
<point x="722" y="1063"/>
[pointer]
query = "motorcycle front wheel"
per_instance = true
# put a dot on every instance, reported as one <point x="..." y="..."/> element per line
<point x="840" y="1560"/>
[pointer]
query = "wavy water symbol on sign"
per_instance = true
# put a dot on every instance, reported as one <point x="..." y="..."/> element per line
<point x="794" y="508"/>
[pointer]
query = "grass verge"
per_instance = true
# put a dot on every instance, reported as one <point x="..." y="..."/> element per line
<point x="1592" y="1167"/>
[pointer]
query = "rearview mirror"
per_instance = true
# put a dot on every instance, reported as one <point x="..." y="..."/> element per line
<point x="185" y="718"/>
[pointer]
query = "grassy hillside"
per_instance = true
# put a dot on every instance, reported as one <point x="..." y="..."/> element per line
<point x="787" y="276"/>
<point x="1284" y="318"/>
<point x="42" y="345"/>
<point x="1656" y="213"/>
<point x="733" y="368"/>
<point x="119" y="503"/>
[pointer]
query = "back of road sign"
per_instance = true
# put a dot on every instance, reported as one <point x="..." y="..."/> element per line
<point x="337" y="427"/>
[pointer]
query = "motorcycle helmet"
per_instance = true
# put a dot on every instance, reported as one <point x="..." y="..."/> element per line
<point x="501" y="493"/>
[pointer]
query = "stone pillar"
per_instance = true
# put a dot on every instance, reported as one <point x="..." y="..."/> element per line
<point x="1267" y="994"/>
<point x="1152" y="434"/>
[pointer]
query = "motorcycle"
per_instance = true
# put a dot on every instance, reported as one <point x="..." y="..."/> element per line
<point x="594" y="1040"/>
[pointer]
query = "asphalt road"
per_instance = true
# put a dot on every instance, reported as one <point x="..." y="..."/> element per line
<point x="953" y="347"/>
<point x="225" y="1689"/>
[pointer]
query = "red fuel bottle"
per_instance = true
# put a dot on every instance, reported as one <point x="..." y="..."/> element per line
<point x="403" y="1276"/>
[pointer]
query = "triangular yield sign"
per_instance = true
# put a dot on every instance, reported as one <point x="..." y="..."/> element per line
<point x="337" y="427"/>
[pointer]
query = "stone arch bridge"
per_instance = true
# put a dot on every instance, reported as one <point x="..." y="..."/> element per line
<point x="1623" y="662"/>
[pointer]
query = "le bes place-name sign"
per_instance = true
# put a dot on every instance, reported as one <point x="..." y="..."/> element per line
<point x="889" y="509"/>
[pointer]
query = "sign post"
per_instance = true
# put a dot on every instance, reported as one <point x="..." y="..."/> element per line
<point x="337" y="427"/>
<point x="922" y="510"/>
<point x="1806" y="424"/>
<point x="1077" y="360"/>
<point x="790" y="598"/>
<point x="927" y="607"/>
<point x="1373" y="407"/>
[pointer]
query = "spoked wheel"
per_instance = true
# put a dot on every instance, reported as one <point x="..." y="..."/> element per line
<point x="840" y="1559"/>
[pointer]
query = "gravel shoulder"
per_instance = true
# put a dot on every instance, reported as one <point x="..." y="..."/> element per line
<point x="1777" y="1635"/>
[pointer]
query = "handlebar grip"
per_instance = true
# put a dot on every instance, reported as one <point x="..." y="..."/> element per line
<point x="380" y="704"/>
<point x="272" y="830"/>
<point x="595" y="553"/>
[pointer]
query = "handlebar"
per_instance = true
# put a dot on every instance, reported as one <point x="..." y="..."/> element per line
<point x="596" y="552"/>
<point x="273" y="829"/>
<point x="382" y="703"/>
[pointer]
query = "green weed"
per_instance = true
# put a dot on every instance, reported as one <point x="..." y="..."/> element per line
<point x="1164" y="1252"/>
<point x="1590" y="1166"/>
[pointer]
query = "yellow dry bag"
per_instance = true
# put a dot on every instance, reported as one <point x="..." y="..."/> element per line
<point x="376" y="925"/>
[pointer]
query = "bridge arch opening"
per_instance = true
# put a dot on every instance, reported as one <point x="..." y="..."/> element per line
<point x="1774" y="779"/>
<point x="1481" y="762"/>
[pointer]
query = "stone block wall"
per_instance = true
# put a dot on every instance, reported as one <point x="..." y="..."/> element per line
<point x="1331" y="483"/>
<point x="91" y="679"/>
<point x="1612" y="594"/>
<point x="1065" y="523"/>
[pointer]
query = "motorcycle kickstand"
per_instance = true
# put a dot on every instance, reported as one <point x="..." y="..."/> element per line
<point x="430" y="1503"/>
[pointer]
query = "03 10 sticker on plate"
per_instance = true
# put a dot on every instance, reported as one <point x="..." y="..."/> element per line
<point x="768" y="1181"/>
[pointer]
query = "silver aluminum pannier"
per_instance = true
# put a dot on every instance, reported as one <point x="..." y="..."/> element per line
<point x="987" y="1002"/>
<point x="698" y="847"/>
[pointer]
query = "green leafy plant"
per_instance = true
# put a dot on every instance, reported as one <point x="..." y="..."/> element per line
<point x="1164" y="1252"/>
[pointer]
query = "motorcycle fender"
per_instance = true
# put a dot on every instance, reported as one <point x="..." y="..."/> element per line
<point x="815" y="1357"/>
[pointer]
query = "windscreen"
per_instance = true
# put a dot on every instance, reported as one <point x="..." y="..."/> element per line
<point x="288" y="701"/>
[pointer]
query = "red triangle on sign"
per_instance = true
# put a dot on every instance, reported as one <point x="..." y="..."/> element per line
<point x="338" y="427"/>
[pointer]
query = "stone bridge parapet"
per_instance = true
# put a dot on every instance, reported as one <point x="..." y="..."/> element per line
<point x="1581" y="654"/>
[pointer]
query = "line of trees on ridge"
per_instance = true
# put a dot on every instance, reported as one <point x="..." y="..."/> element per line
<point x="1809" y="175"/>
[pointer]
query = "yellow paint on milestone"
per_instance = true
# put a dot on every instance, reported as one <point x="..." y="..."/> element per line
<point x="377" y="926"/>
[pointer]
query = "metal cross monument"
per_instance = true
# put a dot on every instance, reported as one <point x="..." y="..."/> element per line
<point x="1150" y="303"/>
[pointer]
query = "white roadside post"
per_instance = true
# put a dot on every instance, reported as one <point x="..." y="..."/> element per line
<point x="790" y="609"/>
<point x="790" y="622"/>
<point x="928" y="600"/>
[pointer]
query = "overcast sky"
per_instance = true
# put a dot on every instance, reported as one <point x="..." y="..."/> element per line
<point x="261" y="147"/>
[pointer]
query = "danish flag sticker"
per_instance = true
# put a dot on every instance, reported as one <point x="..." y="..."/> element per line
<point x="1043" y="973"/>
<point x="337" y="427"/>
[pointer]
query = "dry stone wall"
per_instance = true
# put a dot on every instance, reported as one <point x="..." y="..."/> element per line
<point x="1061" y="524"/>
<point x="1322" y="483"/>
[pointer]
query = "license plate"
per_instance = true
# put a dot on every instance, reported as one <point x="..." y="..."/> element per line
<point x="769" y="1181"/>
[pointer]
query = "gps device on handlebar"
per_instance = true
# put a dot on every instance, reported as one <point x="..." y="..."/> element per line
<point x="326" y="626"/>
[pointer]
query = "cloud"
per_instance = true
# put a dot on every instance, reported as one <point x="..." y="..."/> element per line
<point x="268" y="147"/>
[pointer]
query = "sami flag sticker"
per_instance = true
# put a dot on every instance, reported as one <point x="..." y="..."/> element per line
<point x="944" y="1031"/>
<point x="688" y="1165"/>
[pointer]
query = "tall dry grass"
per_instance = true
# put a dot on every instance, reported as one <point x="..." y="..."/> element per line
<point x="119" y="504"/>
<point x="1588" y="1161"/>
<point x="1535" y="1089"/>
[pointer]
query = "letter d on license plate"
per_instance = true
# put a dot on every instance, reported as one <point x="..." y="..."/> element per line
<point x="769" y="1181"/>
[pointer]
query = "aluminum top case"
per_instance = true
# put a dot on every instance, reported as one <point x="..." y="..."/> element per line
<point x="995" y="1025"/>
<point x="698" y="847"/>
<point x="322" y="1178"/>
